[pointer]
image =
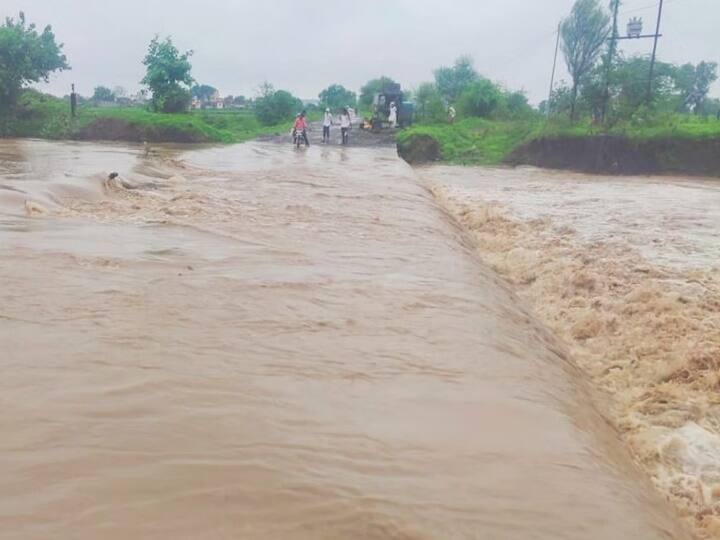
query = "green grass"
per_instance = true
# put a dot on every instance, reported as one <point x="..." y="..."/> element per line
<point x="477" y="141"/>
<point x="47" y="117"/>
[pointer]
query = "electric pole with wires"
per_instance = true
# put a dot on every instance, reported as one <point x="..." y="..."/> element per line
<point x="654" y="53"/>
<point x="634" y="31"/>
<point x="610" y="57"/>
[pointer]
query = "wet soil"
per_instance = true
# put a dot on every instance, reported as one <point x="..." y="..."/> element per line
<point x="622" y="156"/>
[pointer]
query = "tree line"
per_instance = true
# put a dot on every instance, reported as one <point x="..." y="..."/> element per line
<point x="603" y="82"/>
<point x="606" y="84"/>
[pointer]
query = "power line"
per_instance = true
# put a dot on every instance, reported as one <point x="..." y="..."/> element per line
<point x="646" y="7"/>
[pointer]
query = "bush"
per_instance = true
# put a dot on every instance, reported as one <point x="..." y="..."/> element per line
<point x="481" y="99"/>
<point x="176" y="100"/>
<point x="277" y="107"/>
<point x="430" y="106"/>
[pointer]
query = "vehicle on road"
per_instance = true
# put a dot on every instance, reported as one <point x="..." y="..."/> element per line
<point x="382" y="108"/>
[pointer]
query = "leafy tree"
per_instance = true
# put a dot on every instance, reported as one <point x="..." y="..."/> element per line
<point x="265" y="89"/>
<point x="177" y="99"/>
<point x="372" y="87"/>
<point x="628" y="85"/>
<point x="103" y="93"/>
<point x="429" y="102"/>
<point x="336" y="96"/>
<point x="119" y="92"/>
<point x="26" y="56"/>
<point x="560" y="100"/>
<point x="203" y="92"/>
<point x="517" y="104"/>
<point x="452" y="81"/>
<point x="694" y="84"/>
<point x="480" y="98"/>
<point x="276" y="106"/>
<point x="583" y="34"/>
<point x="712" y="106"/>
<point x="168" y="76"/>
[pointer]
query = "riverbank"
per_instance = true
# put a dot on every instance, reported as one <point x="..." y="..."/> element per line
<point x="676" y="144"/>
<point x="46" y="117"/>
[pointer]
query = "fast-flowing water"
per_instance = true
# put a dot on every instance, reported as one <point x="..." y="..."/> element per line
<point x="262" y="343"/>
<point x="627" y="272"/>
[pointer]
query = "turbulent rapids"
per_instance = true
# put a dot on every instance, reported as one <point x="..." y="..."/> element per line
<point x="253" y="342"/>
<point x="626" y="273"/>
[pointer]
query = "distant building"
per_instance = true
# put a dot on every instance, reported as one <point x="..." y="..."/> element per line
<point x="213" y="102"/>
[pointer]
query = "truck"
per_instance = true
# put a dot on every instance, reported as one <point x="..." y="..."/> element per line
<point x="391" y="93"/>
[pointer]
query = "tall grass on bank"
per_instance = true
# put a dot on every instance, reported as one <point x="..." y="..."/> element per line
<point x="479" y="141"/>
<point x="42" y="116"/>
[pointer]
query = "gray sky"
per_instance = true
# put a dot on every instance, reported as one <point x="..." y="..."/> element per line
<point x="305" y="46"/>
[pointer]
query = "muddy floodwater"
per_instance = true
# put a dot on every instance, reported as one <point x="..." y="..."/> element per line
<point x="626" y="272"/>
<point x="260" y="343"/>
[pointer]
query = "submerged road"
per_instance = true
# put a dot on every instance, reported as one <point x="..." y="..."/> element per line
<point x="262" y="343"/>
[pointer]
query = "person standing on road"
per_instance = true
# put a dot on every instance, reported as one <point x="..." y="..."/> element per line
<point x="328" y="121"/>
<point x="345" y="125"/>
<point x="393" y="117"/>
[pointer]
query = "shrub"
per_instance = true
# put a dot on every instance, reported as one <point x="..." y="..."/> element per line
<point x="277" y="107"/>
<point x="481" y="98"/>
<point x="175" y="100"/>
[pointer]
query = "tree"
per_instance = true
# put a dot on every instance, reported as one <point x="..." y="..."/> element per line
<point x="168" y="76"/>
<point x="517" y="104"/>
<point x="103" y="93"/>
<point x="694" y="83"/>
<point x="372" y="87"/>
<point x="26" y="56"/>
<point x="628" y="85"/>
<point x="203" y="92"/>
<point x="451" y="81"/>
<point x="430" y="105"/>
<point x="276" y="106"/>
<point x="560" y="99"/>
<point x="480" y="98"/>
<point x="583" y="34"/>
<point x="336" y="96"/>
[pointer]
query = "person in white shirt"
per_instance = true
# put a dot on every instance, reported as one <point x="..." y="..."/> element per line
<point x="392" y="118"/>
<point x="345" y="125"/>
<point x="328" y="121"/>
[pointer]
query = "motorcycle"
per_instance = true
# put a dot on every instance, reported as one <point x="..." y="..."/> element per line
<point x="298" y="138"/>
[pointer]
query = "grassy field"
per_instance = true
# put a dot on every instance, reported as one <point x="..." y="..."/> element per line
<point x="47" y="117"/>
<point x="477" y="141"/>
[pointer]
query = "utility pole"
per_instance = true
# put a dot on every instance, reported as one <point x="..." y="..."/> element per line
<point x="552" y="77"/>
<point x="73" y="101"/>
<point x="634" y="31"/>
<point x="652" y="62"/>
<point x="611" y="56"/>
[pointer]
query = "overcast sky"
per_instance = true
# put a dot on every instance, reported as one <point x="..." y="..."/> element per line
<point x="305" y="46"/>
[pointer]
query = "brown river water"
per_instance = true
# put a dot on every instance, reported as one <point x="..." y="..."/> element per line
<point x="257" y="342"/>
